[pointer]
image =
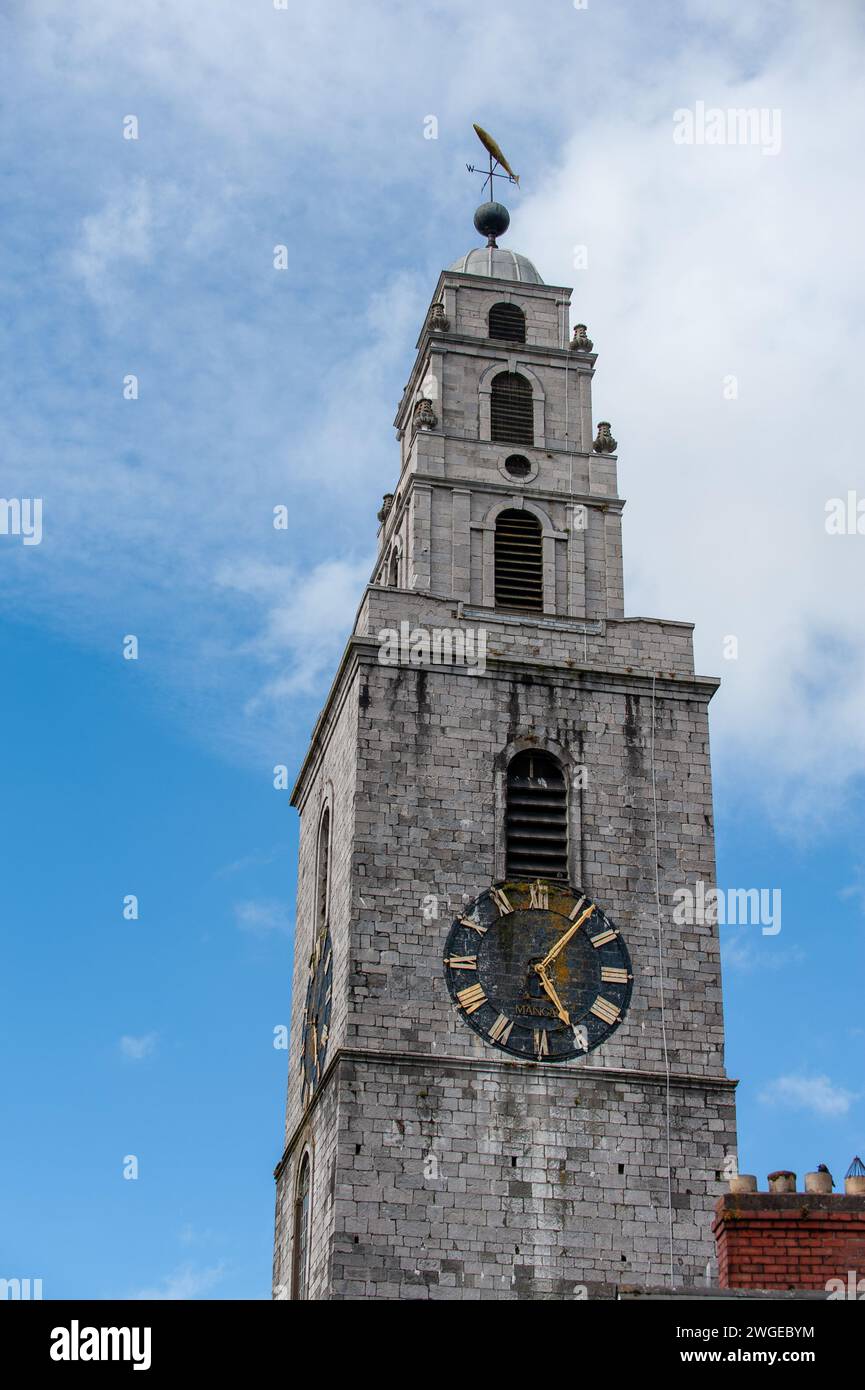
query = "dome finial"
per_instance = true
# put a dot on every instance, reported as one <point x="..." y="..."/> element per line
<point x="492" y="220"/>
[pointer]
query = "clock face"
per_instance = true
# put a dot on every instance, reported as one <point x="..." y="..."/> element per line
<point x="539" y="970"/>
<point x="316" y="1016"/>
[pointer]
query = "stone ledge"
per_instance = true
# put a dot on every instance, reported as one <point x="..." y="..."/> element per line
<point x="694" y="1292"/>
<point x="442" y="1061"/>
<point x="786" y="1206"/>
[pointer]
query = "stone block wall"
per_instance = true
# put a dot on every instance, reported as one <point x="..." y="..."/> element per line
<point x="459" y="1181"/>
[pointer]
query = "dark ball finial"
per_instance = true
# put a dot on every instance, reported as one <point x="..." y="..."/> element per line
<point x="491" y="220"/>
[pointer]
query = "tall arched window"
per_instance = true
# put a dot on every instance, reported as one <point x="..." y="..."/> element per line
<point x="300" y="1280"/>
<point x="519" y="561"/>
<point x="509" y="322"/>
<point x="393" y="575"/>
<point x="323" y="869"/>
<point x="536" y="817"/>
<point x="511" y="410"/>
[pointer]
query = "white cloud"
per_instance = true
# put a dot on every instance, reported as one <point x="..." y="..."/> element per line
<point x="262" y="918"/>
<point x="255" y="859"/>
<point x="703" y="262"/>
<point x="706" y="262"/>
<point x="740" y="952"/>
<point x="120" y="232"/>
<point x="183" y="1283"/>
<point x="191" y="1235"/>
<point x="855" y="892"/>
<point x="135" y="1049"/>
<point x="816" y="1094"/>
<point x="305" y="621"/>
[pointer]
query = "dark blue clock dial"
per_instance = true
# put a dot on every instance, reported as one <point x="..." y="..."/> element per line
<point x="316" y="1015"/>
<point x="537" y="969"/>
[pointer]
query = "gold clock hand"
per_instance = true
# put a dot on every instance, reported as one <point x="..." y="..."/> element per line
<point x="563" y="940"/>
<point x="548" y="986"/>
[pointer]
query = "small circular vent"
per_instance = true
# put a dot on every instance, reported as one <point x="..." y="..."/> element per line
<point x="518" y="466"/>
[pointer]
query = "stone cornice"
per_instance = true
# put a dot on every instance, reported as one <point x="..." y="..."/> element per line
<point x="491" y="1067"/>
<point x="668" y="684"/>
<point x="489" y="282"/>
<point x="601" y="500"/>
<point x="363" y="648"/>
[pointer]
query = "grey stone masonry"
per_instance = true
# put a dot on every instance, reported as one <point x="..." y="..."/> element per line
<point x="453" y="480"/>
<point x="441" y="1167"/>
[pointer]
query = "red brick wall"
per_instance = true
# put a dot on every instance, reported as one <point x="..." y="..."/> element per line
<point x="796" y="1241"/>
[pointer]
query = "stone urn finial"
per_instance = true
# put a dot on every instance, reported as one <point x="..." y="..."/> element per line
<point x="386" y="504"/>
<point x="437" y="320"/>
<point x="581" y="342"/>
<point x="604" y="441"/>
<point x="424" y="415"/>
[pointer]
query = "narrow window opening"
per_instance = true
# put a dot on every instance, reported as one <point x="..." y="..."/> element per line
<point x="301" y="1232"/>
<point x="519" y="561"/>
<point x="509" y="322"/>
<point x="536" y="821"/>
<point x="323" y="868"/>
<point x="511" y="410"/>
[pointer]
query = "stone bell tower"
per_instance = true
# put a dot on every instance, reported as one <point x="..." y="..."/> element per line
<point x="497" y="719"/>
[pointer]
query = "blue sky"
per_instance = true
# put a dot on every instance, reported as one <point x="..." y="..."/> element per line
<point x="258" y="387"/>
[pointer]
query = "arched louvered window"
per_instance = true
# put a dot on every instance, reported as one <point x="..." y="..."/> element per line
<point x="393" y="572"/>
<point x="519" y="562"/>
<point x="536" y="818"/>
<point x="509" y="322"/>
<point x="323" y="870"/>
<point x="511" y="410"/>
<point x="300" y="1279"/>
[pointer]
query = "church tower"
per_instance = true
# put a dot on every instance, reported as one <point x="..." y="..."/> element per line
<point x="506" y="1069"/>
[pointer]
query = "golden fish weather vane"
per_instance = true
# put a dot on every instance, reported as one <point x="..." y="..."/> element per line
<point x="494" y="151"/>
<point x="492" y="218"/>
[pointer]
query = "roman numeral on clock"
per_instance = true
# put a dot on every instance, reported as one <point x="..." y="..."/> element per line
<point x="539" y="895"/>
<point x="603" y="1009"/>
<point x="602" y="938"/>
<point x="614" y="975"/>
<point x="471" y="998"/>
<point x="475" y="926"/>
<point x="501" y="1029"/>
<point x="462" y="962"/>
<point x="501" y="900"/>
<point x="542" y="1042"/>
